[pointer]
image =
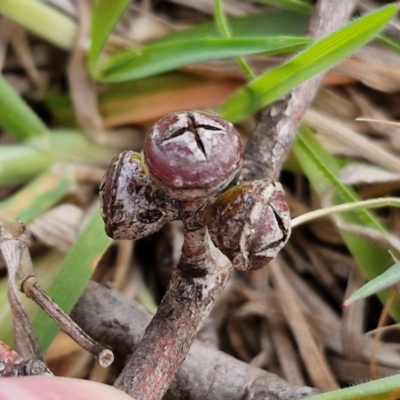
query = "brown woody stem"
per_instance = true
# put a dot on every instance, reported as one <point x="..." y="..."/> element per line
<point x="32" y="290"/>
<point x="168" y="338"/>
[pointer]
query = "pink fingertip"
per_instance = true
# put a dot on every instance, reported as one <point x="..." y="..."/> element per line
<point x="57" y="388"/>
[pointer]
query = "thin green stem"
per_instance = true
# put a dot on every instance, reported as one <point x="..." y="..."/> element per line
<point x="221" y="20"/>
<point x="223" y="26"/>
<point x="364" y="204"/>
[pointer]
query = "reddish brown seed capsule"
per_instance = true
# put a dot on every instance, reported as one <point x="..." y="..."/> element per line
<point x="192" y="154"/>
<point x="249" y="223"/>
<point x="132" y="207"/>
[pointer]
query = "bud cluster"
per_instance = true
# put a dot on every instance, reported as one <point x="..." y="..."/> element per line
<point x="187" y="170"/>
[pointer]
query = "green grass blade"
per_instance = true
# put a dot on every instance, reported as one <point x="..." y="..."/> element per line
<point x="389" y="278"/>
<point x="261" y="25"/>
<point x="37" y="197"/>
<point x="322" y="169"/>
<point x="18" y="119"/>
<point x="388" y="41"/>
<point x="20" y="162"/>
<point x="323" y="54"/>
<point x="104" y="17"/>
<point x="43" y="20"/>
<point x="157" y="58"/>
<point x="293" y="5"/>
<point x="73" y="276"/>
<point x="225" y="31"/>
<point x="380" y="389"/>
<point x="221" y="20"/>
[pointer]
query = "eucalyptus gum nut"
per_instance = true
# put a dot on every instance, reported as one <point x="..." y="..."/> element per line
<point x="131" y="206"/>
<point x="192" y="154"/>
<point x="249" y="223"/>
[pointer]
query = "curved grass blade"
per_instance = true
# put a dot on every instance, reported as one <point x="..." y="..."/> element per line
<point x="19" y="120"/>
<point x="261" y="25"/>
<point x="321" y="55"/>
<point x="225" y="31"/>
<point x="20" y="162"/>
<point x="322" y="170"/>
<point x="389" y="278"/>
<point x="37" y="197"/>
<point x="43" y="20"/>
<point x="72" y="278"/>
<point x="293" y="5"/>
<point x="162" y="57"/>
<point x="105" y="15"/>
<point x="380" y="389"/>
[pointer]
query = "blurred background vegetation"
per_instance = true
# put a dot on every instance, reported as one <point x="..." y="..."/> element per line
<point x="84" y="80"/>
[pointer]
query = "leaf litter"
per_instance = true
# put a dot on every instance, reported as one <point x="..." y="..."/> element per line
<point x="286" y="318"/>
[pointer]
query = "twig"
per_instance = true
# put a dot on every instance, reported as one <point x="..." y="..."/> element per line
<point x="119" y="323"/>
<point x="14" y="242"/>
<point x="32" y="290"/>
<point x="272" y="138"/>
<point x="154" y="363"/>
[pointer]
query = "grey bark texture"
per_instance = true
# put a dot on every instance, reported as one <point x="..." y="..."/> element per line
<point x="206" y="373"/>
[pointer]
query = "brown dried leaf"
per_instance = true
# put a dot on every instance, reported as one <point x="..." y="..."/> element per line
<point x="353" y="319"/>
<point x="361" y="173"/>
<point x="366" y="148"/>
<point x="82" y="88"/>
<point x="375" y="67"/>
<point x="356" y="371"/>
<point x="6" y="28"/>
<point x="368" y="109"/>
<point x="385" y="240"/>
<point x="150" y="106"/>
<point x="287" y="353"/>
<point x="316" y="365"/>
<point x="24" y="53"/>
<point x="58" y="227"/>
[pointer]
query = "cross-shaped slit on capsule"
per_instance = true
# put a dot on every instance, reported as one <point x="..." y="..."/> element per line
<point x="193" y="128"/>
